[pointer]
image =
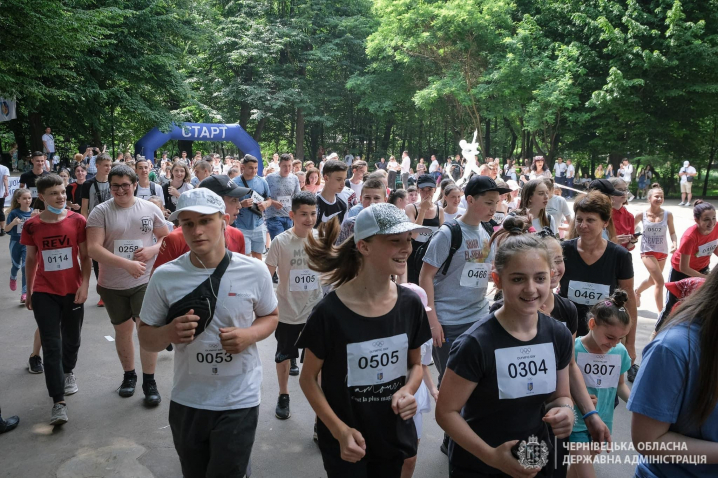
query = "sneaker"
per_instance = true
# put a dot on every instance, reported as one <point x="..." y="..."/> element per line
<point x="293" y="369"/>
<point x="59" y="414"/>
<point x="2" y="232"/>
<point x="681" y="203"/>
<point x="23" y="298"/>
<point x="100" y="303"/>
<point x="70" y="384"/>
<point x="632" y="372"/>
<point x="282" y="410"/>
<point x="13" y="284"/>
<point x="152" y="395"/>
<point x="127" y="388"/>
<point x="8" y="424"/>
<point x="34" y="364"/>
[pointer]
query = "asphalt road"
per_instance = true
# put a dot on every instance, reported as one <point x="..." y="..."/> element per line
<point x="109" y="436"/>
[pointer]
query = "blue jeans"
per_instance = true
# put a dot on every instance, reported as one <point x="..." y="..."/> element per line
<point x="254" y="240"/>
<point x="17" y="255"/>
<point x="569" y="183"/>
<point x="277" y="225"/>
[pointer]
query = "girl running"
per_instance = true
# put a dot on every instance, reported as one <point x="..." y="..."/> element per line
<point x="507" y="378"/>
<point x="424" y="213"/>
<point x="534" y="199"/>
<point x="656" y="222"/>
<point x="20" y="211"/>
<point x="365" y="338"/>
<point x="602" y="360"/>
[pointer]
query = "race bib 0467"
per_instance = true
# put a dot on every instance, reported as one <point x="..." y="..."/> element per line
<point x="587" y="293"/>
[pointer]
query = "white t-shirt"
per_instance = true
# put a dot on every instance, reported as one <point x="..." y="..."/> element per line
<point x="357" y="187"/>
<point x="299" y="289"/>
<point x="181" y="189"/>
<point x="559" y="169"/>
<point x="4" y="171"/>
<point x="126" y="229"/>
<point x="626" y="173"/>
<point x="536" y="223"/>
<point x="146" y="193"/>
<point x="689" y="170"/>
<point x="558" y="208"/>
<point x="405" y="165"/>
<point x="433" y="166"/>
<point x="50" y="142"/>
<point x="570" y="171"/>
<point x="242" y="294"/>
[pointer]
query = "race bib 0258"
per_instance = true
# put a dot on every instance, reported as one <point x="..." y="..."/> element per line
<point x="127" y="247"/>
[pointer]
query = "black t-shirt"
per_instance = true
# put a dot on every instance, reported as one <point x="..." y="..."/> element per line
<point x="563" y="310"/>
<point x="28" y="178"/>
<point x="74" y="193"/>
<point x="326" y="211"/>
<point x="489" y="356"/>
<point x="365" y="363"/>
<point x="593" y="283"/>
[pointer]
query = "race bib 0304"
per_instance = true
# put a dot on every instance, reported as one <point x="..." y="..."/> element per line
<point x="126" y="247"/>
<point x="377" y="361"/>
<point x="475" y="275"/>
<point x="301" y="280"/>
<point x="525" y="370"/>
<point x="587" y="293"/>
<point x="599" y="371"/>
<point x="57" y="259"/>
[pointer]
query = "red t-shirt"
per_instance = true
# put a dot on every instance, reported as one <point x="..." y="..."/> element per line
<point x="624" y="222"/>
<point x="174" y="244"/>
<point x="58" y="244"/>
<point x="698" y="246"/>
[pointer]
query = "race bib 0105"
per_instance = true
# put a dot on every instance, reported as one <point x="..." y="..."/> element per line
<point x="475" y="275"/>
<point x="208" y="358"/>
<point x="707" y="249"/>
<point x="301" y="280"/>
<point x="525" y="370"/>
<point x="587" y="293"/>
<point x="126" y="247"/>
<point x="377" y="361"/>
<point x="57" y="259"/>
<point x="599" y="371"/>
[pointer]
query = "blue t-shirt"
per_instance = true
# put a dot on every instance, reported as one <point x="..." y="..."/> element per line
<point x="16" y="231"/>
<point x="246" y="219"/>
<point x="355" y="210"/>
<point x="598" y="370"/>
<point x="664" y="391"/>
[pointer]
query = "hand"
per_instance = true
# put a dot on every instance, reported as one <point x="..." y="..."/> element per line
<point x="35" y="212"/>
<point x="623" y="238"/>
<point x="277" y="204"/>
<point x="7" y="191"/>
<point x="594" y="400"/>
<point x="181" y="329"/>
<point x="425" y="204"/>
<point x="502" y="459"/>
<point x="561" y="420"/>
<point x="262" y="206"/>
<point x="435" y="393"/>
<point x="599" y="433"/>
<point x="403" y="404"/>
<point x="247" y="202"/>
<point x="674" y="246"/>
<point x="173" y="191"/>
<point x="28" y="300"/>
<point x="437" y="333"/>
<point x="143" y="255"/>
<point x="235" y="339"/>
<point x="135" y="269"/>
<point x="75" y="207"/>
<point x="81" y="295"/>
<point x="631" y="349"/>
<point x="352" y="445"/>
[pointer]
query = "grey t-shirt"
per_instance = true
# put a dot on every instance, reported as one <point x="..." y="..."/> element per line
<point x="460" y="295"/>
<point x="281" y="189"/>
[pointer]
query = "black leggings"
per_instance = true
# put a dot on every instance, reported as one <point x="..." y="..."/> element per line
<point x="671" y="300"/>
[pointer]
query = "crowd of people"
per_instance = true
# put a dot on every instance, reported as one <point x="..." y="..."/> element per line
<point x="374" y="283"/>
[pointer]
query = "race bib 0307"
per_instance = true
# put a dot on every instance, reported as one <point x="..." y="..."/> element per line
<point x="587" y="293"/>
<point x="424" y="236"/>
<point x="599" y="371"/>
<point x="286" y="201"/>
<point x="525" y="370"/>
<point x="377" y="361"/>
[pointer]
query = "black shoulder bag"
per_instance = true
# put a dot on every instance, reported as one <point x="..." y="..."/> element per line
<point x="203" y="299"/>
<point x="253" y="208"/>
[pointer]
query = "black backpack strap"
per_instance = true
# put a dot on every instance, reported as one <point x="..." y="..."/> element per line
<point x="456" y="238"/>
<point x="152" y="189"/>
<point x="488" y="227"/>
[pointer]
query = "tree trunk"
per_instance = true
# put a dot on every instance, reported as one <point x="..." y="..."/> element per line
<point x="183" y="146"/>
<point x="712" y="156"/>
<point x="16" y="126"/>
<point x="387" y="135"/>
<point x="36" y="131"/>
<point x="260" y="127"/>
<point x="488" y="138"/>
<point x="299" y="154"/>
<point x="244" y="113"/>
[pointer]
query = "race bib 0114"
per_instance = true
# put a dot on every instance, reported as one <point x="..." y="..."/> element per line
<point x="57" y="259"/>
<point x="525" y="370"/>
<point x="377" y="361"/>
<point x="587" y="293"/>
<point x="599" y="371"/>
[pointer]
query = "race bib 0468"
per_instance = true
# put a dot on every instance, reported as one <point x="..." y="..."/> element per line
<point x="707" y="249"/>
<point x="525" y="370"/>
<point x="377" y="361"/>
<point x="587" y="293"/>
<point x="599" y="371"/>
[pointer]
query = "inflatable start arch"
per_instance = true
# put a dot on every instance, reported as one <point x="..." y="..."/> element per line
<point x="154" y="140"/>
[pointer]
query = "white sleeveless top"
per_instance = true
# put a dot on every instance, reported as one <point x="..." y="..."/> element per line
<point x="655" y="234"/>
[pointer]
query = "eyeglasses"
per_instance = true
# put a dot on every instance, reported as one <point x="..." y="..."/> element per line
<point x="124" y="186"/>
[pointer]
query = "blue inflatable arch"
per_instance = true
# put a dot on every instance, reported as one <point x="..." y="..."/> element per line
<point x="154" y="140"/>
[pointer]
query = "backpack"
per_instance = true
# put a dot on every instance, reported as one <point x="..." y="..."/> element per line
<point x="456" y="237"/>
<point x="152" y="189"/>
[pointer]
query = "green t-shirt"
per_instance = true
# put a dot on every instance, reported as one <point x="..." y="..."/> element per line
<point x="601" y="374"/>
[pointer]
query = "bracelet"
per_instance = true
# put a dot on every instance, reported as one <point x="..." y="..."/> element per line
<point x="589" y="414"/>
<point x="575" y="416"/>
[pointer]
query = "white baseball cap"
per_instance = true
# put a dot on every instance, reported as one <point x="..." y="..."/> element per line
<point x="686" y="164"/>
<point x="383" y="219"/>
<point x="200" y="200"/>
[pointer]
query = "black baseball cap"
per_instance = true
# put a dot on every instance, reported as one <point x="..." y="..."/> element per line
<point x="483" y="184"/>
<point x="222" y="185"/>
<point x="604" y="186"/>
<point x="426" y="181"/>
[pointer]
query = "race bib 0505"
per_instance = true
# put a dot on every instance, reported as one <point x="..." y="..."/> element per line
<point x="377" y="361"/>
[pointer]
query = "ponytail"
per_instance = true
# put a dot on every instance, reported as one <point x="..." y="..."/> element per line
<point x="341" y="263"/>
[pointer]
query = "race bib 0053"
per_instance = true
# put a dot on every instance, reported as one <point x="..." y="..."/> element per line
<point x="525" y="370"/>
<point x="587" y="293"/>
<point x="599" y="371"/>
<point x="377" y="361"/>
<point x="208" y="358"/>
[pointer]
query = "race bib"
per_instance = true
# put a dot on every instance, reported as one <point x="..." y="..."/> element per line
<point x="377" y="361"/>
<point x="499" y="217"/>
<point x="208" y="358"/>
<point x="599" y="371"/>
<point x="18" y="226"/>
<point x="303" y="279"/>
<point x="424" y="236"/>
<point x="475" y="275"/>
<point x="256" y="198"/>
<point x="57" y="259"/>
<point x="126" y="247"/>
<point x="33" y="192"/>
<point x="587" y="293"/>
<point x="707" y="248"/>
<point x="525" y="370"/>
<point x="286" y="201"/>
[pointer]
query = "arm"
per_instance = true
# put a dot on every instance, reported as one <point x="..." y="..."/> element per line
<point x="12" y="224"/>
<point x="86" y="268"/>
<point x="558" y="415"/>
<point x="637" y="219"/>
<point x="84" y="210"/>
<point x="30" y="272"/>
<point x="596" y="427"/>
<point x="95" y="239"/>
<point x="145" y="254"/>
<point x="627" y="285"/>
<point x="403" y="402"/>
<point x="623" y="391"/>
<point x="179" y="331"/>
<point x="686" y="267"/>
<point x="429" y="382"/>
<point x="234" y="340"/>
<point x="272" y="269"/>
<point x="646" y="430"/>
<point x="426" y="282"/>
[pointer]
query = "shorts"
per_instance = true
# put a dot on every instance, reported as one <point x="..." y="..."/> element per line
<point x="122" y="305"/>
<point x="287" y="335"/>
<point x="686" y="187"/>
<point x="213" y="443"/>
<point x="254" y="240"/>
<point x="580" y="437"/>
<point x="658" y="255"/>
<point x="418" y="424"/>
